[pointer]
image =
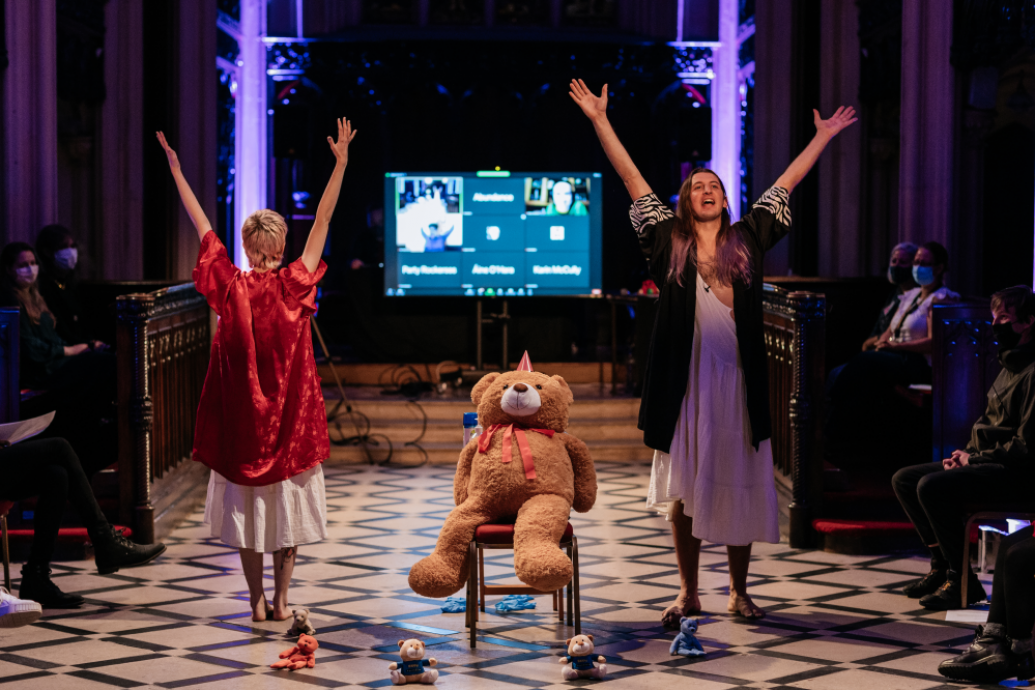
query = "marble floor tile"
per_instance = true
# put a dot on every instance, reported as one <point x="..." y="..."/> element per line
<point x="834" y="621"/>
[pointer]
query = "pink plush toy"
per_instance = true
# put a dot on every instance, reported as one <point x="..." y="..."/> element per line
<point x="300" y="656"/>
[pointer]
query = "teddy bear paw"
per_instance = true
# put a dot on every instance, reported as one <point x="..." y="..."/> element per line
<point x="433" y="577"/>
<point x="546" y="572"/>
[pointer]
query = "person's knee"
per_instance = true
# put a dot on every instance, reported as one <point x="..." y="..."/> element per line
<point x="929" y="489"/>
<point x="905" y="480"/>
<point x="1019" y="555"/>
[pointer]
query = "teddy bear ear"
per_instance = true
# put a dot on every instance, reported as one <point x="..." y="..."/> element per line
<point x="479" y="388"/>
<point x="590" y="637"/>
<point x="567" y="643"/>
<point x="564" y="384"/>
<point x="401" y="643"/>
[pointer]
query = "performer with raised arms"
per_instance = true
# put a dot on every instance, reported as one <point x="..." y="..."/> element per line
<point x="262" y="425"/>
<point x="705" y="405"/>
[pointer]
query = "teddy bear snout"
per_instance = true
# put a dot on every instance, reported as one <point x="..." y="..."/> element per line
<point x="521" y="402"/>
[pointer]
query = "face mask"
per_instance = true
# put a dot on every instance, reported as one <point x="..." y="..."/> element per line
<point x="899" y="275"/>
<point x="27" y="275"/>
<point x="1007" y="338"/>
<point x="923" y="275"/>
<point x="66" y="259"/>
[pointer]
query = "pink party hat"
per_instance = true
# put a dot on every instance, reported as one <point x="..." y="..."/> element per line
<point x="526" y="363"/>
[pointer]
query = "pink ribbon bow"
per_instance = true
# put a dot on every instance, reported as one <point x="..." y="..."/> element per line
<point x="522" y="442"/>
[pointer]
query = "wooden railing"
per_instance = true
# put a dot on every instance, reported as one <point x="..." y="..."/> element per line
<point x="163" y="349"/>
<point x="9" y="391"/>
<point x="964" y="363"/>
<point x="795" y="330"/>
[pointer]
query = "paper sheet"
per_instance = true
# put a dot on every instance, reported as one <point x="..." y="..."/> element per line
<point x="966" y="616"/>
<point x="27" y="428"/>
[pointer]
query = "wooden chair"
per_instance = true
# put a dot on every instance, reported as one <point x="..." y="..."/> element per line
<point x="5" y="507"/>
<point x="986" y="513"/>
<point x="501" y="536"/>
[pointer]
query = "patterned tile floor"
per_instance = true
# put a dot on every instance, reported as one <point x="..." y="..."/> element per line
<point x="835" y="622"/>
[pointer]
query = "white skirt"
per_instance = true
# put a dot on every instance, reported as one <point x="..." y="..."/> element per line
<point x="724" y="484"/>
<point x="268" y="518"/>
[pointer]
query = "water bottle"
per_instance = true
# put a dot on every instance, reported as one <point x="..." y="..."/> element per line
<point x="472" y="428"/>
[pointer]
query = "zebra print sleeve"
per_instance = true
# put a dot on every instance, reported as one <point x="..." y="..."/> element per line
<point x="775" y="201"/>
<point x="648" y="210"/>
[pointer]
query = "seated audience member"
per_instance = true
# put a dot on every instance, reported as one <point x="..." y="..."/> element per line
<point x="862" y="401"/>
<point x="58" y="255"/>
<point x="997" y="466"/>
<point x="49" y="469"/>
<point x="79" y="379"/>
<point x="900" y="275"/>
<point x="1002" y="646"/>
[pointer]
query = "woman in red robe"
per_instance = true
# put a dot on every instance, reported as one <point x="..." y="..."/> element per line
<point x="262" y="425"/>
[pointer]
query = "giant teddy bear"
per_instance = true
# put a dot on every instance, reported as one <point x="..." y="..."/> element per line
<point x="523" y="468"/>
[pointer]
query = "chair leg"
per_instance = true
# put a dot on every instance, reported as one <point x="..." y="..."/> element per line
<point x="472" y="604"/>
<point x="467" y="601"/>
<point x="965" y="570"/>
<point x="571" y="557"/>
<point x="575" y="573"/>
<point x="481" y="579"/>
<point x="7" y="552"/>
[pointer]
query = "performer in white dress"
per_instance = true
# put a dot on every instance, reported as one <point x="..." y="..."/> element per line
<point x="705" y="404"/>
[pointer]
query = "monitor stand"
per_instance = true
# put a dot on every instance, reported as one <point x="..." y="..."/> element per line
<point x="481" y="318"/>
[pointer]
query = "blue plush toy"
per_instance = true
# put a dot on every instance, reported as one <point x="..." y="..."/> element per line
<point x="685" y="643"/>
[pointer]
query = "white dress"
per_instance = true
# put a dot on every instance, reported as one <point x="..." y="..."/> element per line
<point x="725" y="485"/>
<point x="268" y="518"/>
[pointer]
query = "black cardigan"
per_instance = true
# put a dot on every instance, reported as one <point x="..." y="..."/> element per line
<point x="668" y="360"/>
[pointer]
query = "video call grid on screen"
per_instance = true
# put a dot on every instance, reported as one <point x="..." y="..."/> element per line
<point x="492" y="234"/>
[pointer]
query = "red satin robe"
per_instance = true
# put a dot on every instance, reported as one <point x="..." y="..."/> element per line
<point x="261" y="418"/>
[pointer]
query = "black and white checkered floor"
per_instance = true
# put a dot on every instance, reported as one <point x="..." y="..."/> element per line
<point x="835" y="622"/>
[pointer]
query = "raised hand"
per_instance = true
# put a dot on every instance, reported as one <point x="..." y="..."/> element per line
<point x="340" y="148"/>
<point x="838" y="121"/>
<point x="174" y="161"/>
<point x="592" y="106"/>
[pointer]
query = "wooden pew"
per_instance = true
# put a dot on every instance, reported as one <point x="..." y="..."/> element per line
<point x="795" y="332"/>
<point x="9" y="390"/>
<point x="964" y="363"/>
<point x="163" y="340"/>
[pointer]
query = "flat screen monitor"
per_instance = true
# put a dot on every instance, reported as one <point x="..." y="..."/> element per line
<point x="492" y="234"/>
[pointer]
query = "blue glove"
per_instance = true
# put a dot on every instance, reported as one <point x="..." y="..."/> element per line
<point x="515" y="602"/>
<point x="455" y="605"/>
<point x="685" y="643"/>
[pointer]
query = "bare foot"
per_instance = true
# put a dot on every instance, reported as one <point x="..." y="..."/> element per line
<point x="742" y="605"/>
<point x="260" y="609"/>
<point x="280" y="614"/>
<point x="686" y="604"/>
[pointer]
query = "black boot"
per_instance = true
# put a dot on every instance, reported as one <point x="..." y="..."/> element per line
<point x="928" y="584"/>
<point x="988" y="660"/>
<point x="114" y="551"/>
<point x="948" y="597"/>
<point x="37" y="586"/>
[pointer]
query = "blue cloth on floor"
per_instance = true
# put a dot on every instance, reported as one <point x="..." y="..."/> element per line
<point x="685" y="643"/>
<point x="455" y="605"/>
<point x="515" y="602"/>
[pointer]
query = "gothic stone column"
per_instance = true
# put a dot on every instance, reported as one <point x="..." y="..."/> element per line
<point x="927" y="125"/>
<point x="30" y="198"/>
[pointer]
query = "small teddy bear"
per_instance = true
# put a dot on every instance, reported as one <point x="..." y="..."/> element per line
<point x="580" y="656"/>
<point x="302" y="626"/>
<point x="685" y="643"/>
<point x="411" y="669"/>
<point x="301" y="655"/>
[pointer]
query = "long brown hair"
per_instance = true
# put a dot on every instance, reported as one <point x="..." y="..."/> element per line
<point x="732" y="260"/>
<point x="29" y="297"/>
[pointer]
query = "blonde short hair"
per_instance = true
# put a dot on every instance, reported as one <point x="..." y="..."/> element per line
<point x="263" y="235"/>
